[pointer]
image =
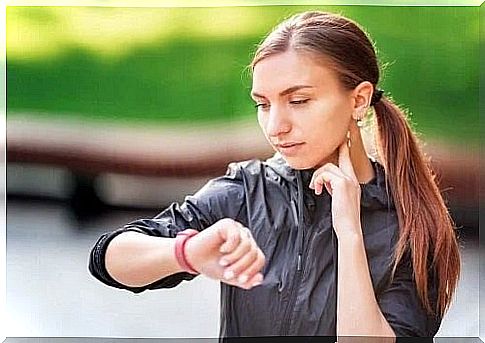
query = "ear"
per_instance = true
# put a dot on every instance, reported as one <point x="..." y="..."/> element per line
<point x="362" y="95"/>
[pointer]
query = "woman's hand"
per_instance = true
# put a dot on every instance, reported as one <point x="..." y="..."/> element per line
<point x="342" y="184"/>
<point x="227" y="240"/>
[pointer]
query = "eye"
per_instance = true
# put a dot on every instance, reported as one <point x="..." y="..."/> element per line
<point x="262" y="106"/>
<point x="299" y="102"/>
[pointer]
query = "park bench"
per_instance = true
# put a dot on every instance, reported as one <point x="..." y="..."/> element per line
<point x="88" y="150"/>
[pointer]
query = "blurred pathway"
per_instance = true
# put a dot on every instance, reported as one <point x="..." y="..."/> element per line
<point x="51" y="293"/>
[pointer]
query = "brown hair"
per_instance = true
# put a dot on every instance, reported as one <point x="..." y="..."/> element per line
<point x="426" y="228"/>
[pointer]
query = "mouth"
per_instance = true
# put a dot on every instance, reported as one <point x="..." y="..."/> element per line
<point x="287" y="145"/>
<point x="290" y="148"/>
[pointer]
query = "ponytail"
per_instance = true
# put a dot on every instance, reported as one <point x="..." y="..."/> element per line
<point x="426" y="227"/>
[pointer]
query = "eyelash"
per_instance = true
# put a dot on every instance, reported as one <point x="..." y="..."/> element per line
<point x="299" y="102"/>
<point x="295" y="102"/>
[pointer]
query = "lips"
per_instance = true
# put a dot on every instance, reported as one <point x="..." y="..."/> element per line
<point x="290" y="148"/>
<point x="287" y="145"/>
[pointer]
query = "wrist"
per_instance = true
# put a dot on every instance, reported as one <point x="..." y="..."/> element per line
<point x="351" y="238"/>
<point x="182" y="239"/>
<point x="190" y="245"/>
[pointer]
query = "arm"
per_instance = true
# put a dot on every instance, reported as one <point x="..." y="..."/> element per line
<point x="358" y="313"/>
<point x="135" y="259"/>
<point x="129" y="244"/>
<point x="219" y="198"/>
<point x="396" y="312"/>
<point x="400" y="303"/>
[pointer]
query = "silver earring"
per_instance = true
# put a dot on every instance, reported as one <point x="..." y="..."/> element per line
<point x="349" y="143"/>
<point x="360" y="123"/>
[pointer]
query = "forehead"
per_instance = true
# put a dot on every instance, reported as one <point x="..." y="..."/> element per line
<point x="276" y="73"/>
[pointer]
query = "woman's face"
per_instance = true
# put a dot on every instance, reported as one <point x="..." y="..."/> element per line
<point x="302" y="109"/>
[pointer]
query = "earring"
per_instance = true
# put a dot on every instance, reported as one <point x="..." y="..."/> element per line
<point x="349" y="143"/>
<point x="360" y="123"/>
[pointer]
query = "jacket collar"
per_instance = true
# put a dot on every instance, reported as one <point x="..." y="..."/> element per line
<point x="374" y="194"/>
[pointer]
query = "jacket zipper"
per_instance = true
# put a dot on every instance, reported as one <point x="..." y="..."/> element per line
<point x="299" y="268"/>
<point x="335" y="263"/>
<point x="297" y="221"/>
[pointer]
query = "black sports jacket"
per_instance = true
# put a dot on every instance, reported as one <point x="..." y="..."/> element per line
<point x="293" y="227"/>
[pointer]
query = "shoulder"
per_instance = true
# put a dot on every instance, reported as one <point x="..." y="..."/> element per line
<point x="257" y="175"/>
<point x="248" y="167"/>
<point x="273" y="169"/>
<point x="234" y="182"/>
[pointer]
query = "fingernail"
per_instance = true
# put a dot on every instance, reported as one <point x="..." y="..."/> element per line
<point x="223" y="262"/>
<point x="223" y="249"/>
<point x="243" y="279"/>
<point x="228" y="275"/>
<point x="257" y="283"/>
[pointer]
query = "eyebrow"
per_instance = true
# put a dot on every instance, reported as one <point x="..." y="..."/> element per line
<point x="285" y="92"/>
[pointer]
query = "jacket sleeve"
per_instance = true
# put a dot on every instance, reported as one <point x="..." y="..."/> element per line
<point x="402" y="308"/>
<point x="222" y="197"/>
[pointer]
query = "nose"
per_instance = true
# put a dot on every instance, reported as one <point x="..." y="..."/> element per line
<point x="278" y="122"/>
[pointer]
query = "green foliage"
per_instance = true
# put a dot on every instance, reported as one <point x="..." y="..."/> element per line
<point x="184" y="76"/>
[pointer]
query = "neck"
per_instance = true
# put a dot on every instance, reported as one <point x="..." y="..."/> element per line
<point x="360" y="161"/>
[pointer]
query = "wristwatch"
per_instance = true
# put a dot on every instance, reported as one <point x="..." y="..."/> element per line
<point x="180" y="240"/>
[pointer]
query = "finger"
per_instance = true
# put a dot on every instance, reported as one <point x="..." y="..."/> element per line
<point x="335" y="169"/>
<point x="241" y="250"/>
<point x="246" y="275"/>
<point x="238" y="268"/>
<point x="245" y="271"/>
<point x="317" y="173"/>
<point x="325" y="179"/>
<point x="232" y="241"/>
<point x="256" y="280"/>
<point x="344" y="161"/>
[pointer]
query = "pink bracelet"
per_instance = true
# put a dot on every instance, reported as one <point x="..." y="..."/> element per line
<point x="180" y="241"/>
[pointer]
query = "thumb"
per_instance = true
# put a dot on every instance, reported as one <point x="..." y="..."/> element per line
<point x="345" y="163"/>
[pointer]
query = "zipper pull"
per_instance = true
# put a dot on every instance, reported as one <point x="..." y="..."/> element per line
<point x="299" y="262"/>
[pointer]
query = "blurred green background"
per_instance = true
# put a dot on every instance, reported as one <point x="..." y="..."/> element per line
<point x="155" y="66"/>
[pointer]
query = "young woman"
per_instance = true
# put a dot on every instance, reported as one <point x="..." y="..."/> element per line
<point x="321" y="239"/>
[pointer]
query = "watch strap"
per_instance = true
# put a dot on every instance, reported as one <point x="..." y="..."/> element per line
<point x="180" y="241"/>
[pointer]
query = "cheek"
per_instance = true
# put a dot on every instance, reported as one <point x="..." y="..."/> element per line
<point x="261" y="123"/>
<point x="327" y="126"/>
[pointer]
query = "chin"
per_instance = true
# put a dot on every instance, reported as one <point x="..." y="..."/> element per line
<point x="298" y="163"/>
